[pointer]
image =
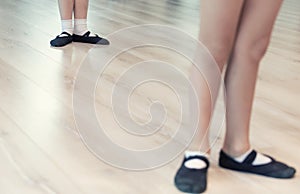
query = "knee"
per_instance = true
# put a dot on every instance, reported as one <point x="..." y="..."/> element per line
<point x="220" y="52"/>
<point x="253" y="51"/>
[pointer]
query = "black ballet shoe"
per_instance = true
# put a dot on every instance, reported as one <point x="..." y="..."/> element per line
<point x="190" y="180"/>
<point x="273" y="169"/>
<point x="60" y="40"/>
<point x="86" y="38"/>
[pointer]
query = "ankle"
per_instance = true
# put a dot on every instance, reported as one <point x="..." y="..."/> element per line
<point x="80" y="26"/>
<point x="190" y="153"/>
<point x="67" y="26"/>
<point x="235" y="151"/>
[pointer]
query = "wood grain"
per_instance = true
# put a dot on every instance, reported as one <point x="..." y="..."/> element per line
<point x="40" y="149"/>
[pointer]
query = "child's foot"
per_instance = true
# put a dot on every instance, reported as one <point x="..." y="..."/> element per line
<point x="271" y="168"/>
<point x="192" y="175"/>
<point x="61" y="40"/>
<point x="91" y="39"/>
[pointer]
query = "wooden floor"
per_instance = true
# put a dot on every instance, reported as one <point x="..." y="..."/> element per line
<point x="40" y="149"/>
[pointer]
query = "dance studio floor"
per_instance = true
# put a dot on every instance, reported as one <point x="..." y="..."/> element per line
<point x="40" y="148"/>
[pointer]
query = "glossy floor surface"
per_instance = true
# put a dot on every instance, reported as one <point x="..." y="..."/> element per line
<point x="40" y="148"/>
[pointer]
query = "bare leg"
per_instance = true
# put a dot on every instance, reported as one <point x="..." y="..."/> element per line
<point x="66" y="13"/>
<point x="219" y="21"/>
<point x="218" y="34"/>
<point x="81" y="9"/>
<point x="66" y="9"/>
<point x="252" y="41"/>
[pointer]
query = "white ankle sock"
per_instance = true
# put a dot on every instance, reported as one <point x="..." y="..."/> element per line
<point x="80" y="26"/>
<point x="195" y="163"/>
<point x="67" y="26"/>
<point x="259" y="159"/>
<point x="242" y="157"/>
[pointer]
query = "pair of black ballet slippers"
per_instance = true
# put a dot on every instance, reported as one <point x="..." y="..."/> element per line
<point x="195" y="180"/>
<point x="65" y="38"/>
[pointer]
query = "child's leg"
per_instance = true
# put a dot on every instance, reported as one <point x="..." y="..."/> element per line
<point x="81" y="32"/>
<point x="252" y="41"/>
<point x="80" y="15"/>
<point x="66" y="11"/>
<point x="219" y="21"/>
<point x="251" y="44"/>
<point x="81" y="9"/>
